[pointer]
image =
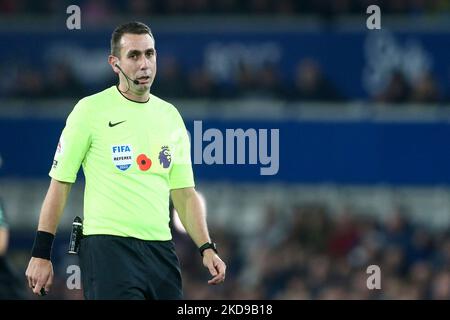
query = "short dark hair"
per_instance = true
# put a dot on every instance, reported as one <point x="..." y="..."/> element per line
<point x="129" y="27"/>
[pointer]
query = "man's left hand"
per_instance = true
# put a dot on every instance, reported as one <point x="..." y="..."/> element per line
<point x="215" y="266"/>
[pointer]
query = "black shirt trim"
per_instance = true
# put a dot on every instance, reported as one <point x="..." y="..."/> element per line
<point x="117" y="87"/>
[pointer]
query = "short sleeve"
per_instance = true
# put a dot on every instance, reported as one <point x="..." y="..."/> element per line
<point x="181" y="174"/>
<point x="73" y="145"/>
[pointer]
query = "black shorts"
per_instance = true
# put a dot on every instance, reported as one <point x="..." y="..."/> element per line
<point x="115" y="267"/>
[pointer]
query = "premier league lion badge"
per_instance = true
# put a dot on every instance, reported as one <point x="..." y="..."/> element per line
<point x="165" y="157"/>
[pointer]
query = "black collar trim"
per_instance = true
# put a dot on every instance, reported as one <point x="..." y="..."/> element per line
<point x="117" y="87"/>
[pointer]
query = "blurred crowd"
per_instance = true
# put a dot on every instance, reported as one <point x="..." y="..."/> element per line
<point x="318" y="254"/>
<point x="172" y="81"/>
<point x="308" y="83"/>
<point x="310" y="252"/>
<point x="308" y="80"/>
<point x="96" y="10"/>
<point x="400" y="89"/>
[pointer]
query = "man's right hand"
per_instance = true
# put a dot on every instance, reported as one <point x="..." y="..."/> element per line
<point x="39" y="275"/>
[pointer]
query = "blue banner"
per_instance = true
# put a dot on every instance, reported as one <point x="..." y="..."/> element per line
<point x="363" y="152"/>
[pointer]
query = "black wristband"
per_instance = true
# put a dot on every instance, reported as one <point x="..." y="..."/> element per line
<point x="42" y="247"/>
<point x="208" y="245"/>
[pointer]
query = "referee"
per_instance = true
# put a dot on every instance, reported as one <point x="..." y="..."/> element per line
<point x="135" y="154"/>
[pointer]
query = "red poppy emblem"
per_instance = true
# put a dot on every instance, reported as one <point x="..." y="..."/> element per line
<point x="143" y="162"/>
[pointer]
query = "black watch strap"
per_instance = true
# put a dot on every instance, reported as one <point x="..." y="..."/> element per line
<point x="208" y="245"/>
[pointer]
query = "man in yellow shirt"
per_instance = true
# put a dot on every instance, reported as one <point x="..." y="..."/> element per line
<point x="135" y="154"/>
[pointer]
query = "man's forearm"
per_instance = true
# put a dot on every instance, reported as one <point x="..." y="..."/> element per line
<point x="53" y="206"/>
<point x="192" y="214"/>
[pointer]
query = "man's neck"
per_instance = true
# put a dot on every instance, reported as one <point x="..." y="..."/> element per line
<point x="132" y="96"/>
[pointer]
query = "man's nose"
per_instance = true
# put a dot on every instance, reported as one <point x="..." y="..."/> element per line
<point x="145" y="63"/>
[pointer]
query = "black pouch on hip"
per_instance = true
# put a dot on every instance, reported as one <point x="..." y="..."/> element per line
<point x="75" y="236"/>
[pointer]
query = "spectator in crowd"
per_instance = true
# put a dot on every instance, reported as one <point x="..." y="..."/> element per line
<point x="202" y="85"/>
<point x="245" y="81"/>
<point x="425" y="89"/>
<point x="310" y="84"/>
<point x="32" y="84"/>
<point x="397" y="89"/>
<point x="269" y="81"/>
<point x="62" y="83"/>
<point x="171" y="82"/>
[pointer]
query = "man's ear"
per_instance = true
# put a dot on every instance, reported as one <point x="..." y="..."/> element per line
<point x="113" y="61"/>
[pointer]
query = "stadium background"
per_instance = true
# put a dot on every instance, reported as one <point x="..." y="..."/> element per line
<point x="363" y="117"/>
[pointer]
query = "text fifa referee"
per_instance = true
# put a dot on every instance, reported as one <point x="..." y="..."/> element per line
<point x="135" y="154"/>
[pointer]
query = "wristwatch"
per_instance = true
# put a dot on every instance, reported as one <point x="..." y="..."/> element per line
<point x="208" y="245"/>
